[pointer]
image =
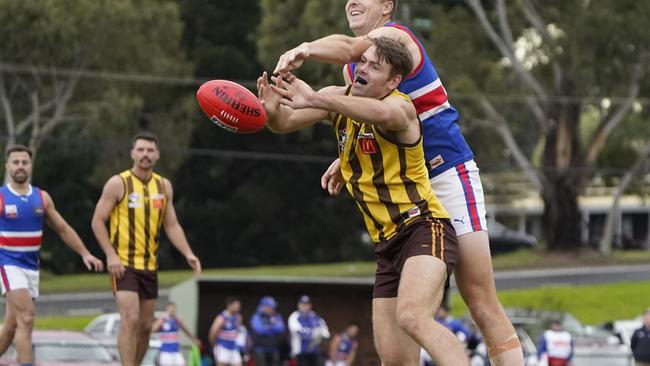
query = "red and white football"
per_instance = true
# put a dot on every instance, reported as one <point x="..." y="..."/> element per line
<point x="231" y="106"/>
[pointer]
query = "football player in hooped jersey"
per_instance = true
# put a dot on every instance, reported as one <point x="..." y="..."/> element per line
<point x="23" y="210"/>
<point x="170" y="349"/>
<point x="224" y="332"/>
<point x="453" y="174"/>
<point x="382" y="162"/>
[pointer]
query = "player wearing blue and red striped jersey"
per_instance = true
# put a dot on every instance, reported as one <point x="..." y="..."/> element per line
<point x="453" y="173"/>
<point x="23" y="210"/>
<point x="169" y="327"/>
<point x="224" y="332"/>
<point x="343" y="348"/>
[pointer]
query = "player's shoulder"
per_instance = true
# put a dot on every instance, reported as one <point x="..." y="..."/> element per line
<point x="395" y="31"/>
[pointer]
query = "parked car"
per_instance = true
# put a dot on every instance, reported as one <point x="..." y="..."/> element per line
<point x="624" y="329"/>
<point x="593" y="346"/>
<point x="59" y="348"/>
<point x="504" y="239"/>
<point x="105" y="329"/>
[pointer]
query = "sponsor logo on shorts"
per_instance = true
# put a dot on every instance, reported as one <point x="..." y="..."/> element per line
<point x="461" y="220"/>
<point x="415" y="211"/>
<point x="436" y="162"/>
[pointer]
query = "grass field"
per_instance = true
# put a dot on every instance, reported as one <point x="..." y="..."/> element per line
<point x="521" y="259"/>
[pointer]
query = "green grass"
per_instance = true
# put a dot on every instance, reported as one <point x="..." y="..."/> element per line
<point x="71" y="322"/>
<point x="521" y="259"/>
<point x="591" y="304"/>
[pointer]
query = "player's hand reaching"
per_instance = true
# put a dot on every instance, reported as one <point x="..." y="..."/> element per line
<point x="292" y="59"/>
<point x="332" y="180"/>
<point x="270" y="99"/>
<point x="194" y="263"/>
<point x="93" y="263"/>
<point x="295" y="93"/>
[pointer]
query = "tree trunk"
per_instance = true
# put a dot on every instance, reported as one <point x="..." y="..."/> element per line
<point x="563" y="167"/>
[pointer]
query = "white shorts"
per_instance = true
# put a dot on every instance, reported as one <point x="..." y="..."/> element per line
<point x="14" y="278"/>
<point x="226" y="355"/>
<point x="460" y="191"/>
<point x="170" y="359"/>
<point x="335" y="363"/>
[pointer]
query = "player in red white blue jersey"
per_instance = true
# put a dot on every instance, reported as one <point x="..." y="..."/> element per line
<point x="168" y="328"/>
<point x="23" y="210"/>
<point x="453" y="173"/>
<point x="224" y="334"/>
<point x="343" y="348"/>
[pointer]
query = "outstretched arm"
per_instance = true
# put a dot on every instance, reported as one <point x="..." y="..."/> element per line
<point x="391" y="113"/>
<point x="283" y="119"/>
<point x="342" y="49"/>
<point x="70" y="237"/>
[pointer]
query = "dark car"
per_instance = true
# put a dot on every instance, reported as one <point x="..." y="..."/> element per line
<point x="504" y="239"/>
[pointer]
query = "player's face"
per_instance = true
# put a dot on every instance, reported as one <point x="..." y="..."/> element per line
<point x="19" y="166"/>
<point x="234" y="307"/>
<point x="171" y="310"/>
<point x="353" y="330"/>
<point x="365" y="15"/>
<point x="145" y="153"/>
<point x="304" y="307"/>
<point x="372" y="78"/>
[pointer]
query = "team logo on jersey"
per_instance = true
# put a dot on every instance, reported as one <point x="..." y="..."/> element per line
<point x="11" y="211"/>
<point x="343" y="138"/>
<point x="134" y="200"/>
<point x="158" y="200"/>
<point x="436" y="162"/>
<point x="367" y="143"/>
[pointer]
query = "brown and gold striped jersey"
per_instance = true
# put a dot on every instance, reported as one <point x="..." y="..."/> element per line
<point x="388" y="180"/>
<point x="136" y="221"/>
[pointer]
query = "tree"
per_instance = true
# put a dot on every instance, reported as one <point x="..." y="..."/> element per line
<point x="562" y="58"/>
<point x="75" y="78"/>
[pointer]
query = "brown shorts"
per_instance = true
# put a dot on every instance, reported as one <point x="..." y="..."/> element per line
<point x="430" y="236"/>
<point x="145" y="283"/>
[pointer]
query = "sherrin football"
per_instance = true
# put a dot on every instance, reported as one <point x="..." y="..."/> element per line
<point x="231" y="106"/>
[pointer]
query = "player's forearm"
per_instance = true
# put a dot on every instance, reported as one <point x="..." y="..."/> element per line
<point x="368" y="110"/>
<point x="337" y="48"/>
<point x="101" y="235"/>
<point x="73" y="241"/>
<point x="177" y="237"/>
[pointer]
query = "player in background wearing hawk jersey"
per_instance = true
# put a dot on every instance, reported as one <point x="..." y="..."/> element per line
<point x="138" y="203"/>
<point x="23" y="210"/>
<point x="453" y="173"/>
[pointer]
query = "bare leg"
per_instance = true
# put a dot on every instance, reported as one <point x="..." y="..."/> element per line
<point x="128" y="304"/>
<point x="420" y="293"/>
<point x="22" y="307"/>
<point x="395" y="347"/>
<point x="475" y="283"/>
<point x="8" y="330"/>
<point x="147" y="307"/>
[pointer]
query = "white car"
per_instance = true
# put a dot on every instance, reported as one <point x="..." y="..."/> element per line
<point x="624" y="329"/>
<point x="105" y="328"/>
